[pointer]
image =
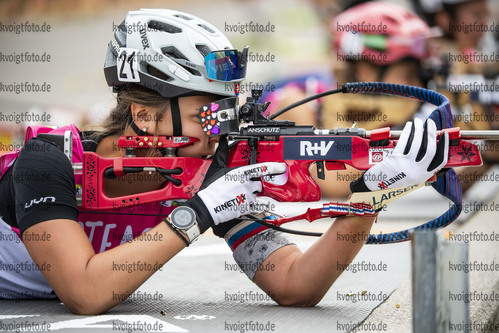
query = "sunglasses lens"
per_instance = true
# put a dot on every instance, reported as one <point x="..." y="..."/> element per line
<point x="224" y="66"/>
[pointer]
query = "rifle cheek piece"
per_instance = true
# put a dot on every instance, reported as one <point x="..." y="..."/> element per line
<point x="220" y="117"/>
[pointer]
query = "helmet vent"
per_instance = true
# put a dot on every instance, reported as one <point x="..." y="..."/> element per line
<point x="187" y="18"/>
<point x="161" y="26"/>
<point x="173" y="52"/>
<point x="203" y="49"/>
<point x="157" y="73"/>
<point x="207" y="28"/>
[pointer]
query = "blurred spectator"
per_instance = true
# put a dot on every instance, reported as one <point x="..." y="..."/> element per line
<point x="374" y="41"/>
<point x="468" y="49"/>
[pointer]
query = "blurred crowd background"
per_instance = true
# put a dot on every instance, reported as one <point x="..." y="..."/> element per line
<point x="312" y="46"/>
<point x="81" y="30"/>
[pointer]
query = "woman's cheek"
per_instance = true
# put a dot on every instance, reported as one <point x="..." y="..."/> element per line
<point x="191" y="151"/>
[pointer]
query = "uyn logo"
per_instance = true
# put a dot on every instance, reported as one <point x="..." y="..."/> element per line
<point x="308" y="148"/>
<point x="36" y="202"/>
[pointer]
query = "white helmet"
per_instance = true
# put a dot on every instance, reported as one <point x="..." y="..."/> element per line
<point x="172" y="53"/>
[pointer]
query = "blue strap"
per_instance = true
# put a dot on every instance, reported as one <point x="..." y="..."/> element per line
<point x="447" y="184"/>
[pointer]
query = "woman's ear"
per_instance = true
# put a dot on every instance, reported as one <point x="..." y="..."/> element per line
<point x="144" y="117"/>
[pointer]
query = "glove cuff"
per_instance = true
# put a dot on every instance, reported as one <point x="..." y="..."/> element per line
<point x="204" y="218"/>
<point x="359" y="185"/>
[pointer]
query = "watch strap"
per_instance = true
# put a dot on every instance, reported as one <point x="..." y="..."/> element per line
<point x="169" y="223"/>
<point x="192" y="233"/>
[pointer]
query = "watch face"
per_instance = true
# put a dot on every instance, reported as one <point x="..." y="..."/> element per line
<point x="183" y="217"/>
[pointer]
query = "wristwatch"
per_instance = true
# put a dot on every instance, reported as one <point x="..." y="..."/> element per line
<point x="183" y="219"/>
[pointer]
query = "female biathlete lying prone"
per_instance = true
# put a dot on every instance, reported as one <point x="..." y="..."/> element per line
<point x="85" y="259"/>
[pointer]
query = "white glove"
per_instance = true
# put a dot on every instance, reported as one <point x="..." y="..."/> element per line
<point x="234" y="193"/>
<point x="415" y="159"/>
<point x="230" y="193"/>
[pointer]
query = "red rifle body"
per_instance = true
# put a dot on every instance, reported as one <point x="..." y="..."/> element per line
<point x="299" y="152"/>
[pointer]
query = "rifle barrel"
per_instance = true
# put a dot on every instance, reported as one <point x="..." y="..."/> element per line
<point x="480" y="135"/>
<point x="467" y="134"/>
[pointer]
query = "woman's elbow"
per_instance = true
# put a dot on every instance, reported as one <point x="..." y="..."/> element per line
<point x="82" y="302"/>
<point x="297" y="299"/>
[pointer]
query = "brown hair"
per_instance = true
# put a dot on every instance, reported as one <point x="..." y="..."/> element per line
<point x="121" y="116"/>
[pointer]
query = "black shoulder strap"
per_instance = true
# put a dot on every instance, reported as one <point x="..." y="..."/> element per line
<point x="175" y="110"/>
<point x="88" y="144"/>
<point x="58" y="139"/>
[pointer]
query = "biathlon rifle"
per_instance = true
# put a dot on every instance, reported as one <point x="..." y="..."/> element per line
<point x="257" y="139"/>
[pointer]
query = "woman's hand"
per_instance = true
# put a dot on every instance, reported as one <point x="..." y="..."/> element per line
<point x="228" y="193"/>
<point x="415" y="159"/>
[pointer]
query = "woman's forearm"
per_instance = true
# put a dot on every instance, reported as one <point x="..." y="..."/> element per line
<point x="302" y="279"/>
<point x="90" y="283"/>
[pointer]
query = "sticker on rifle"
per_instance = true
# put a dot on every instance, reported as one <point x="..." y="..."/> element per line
<point x="322" y="148"/>
<point x="181" y="139"/>
<point x="377" y="155"/>
<point x="127" y="65"/>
